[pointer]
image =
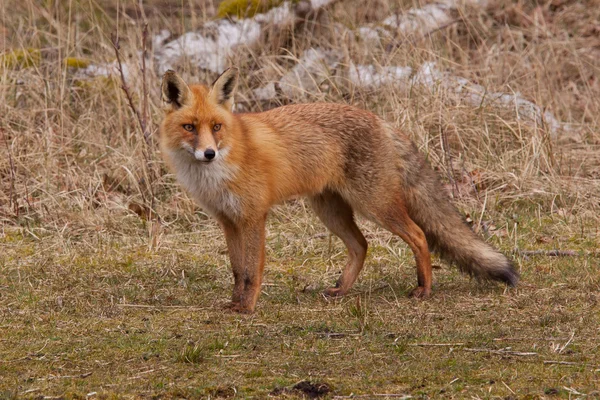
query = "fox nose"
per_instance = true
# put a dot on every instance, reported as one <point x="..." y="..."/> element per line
<point x="209" y="154"/>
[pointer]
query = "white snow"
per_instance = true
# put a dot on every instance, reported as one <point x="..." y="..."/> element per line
<point x="420" y="20"/>
<point x="316" y="4"/>
<point x="106" y="70"/>
<point x="370" y="76"/>
<point x="279" y="15"/>
<point x="211" y="48"/>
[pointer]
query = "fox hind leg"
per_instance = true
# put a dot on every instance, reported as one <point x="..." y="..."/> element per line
<point x="397" y="221"/>
<point x="338" y="217"/>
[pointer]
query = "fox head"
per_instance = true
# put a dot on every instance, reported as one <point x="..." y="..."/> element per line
<point x="198" y="119"/>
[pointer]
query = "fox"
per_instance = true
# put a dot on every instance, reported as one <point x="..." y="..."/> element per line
<point x="345" y="160"/>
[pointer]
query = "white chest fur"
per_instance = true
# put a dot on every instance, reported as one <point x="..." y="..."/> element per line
<point x="207" y="182"/>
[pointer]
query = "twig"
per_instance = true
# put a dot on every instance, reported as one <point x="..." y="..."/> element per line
<point x="566" y="344"/>
<point x="575" y="364"/>
<point x="320" y="235"/>
<point x="125" y="88"/>
<point x="556" y="253"/>
<point x="117" y="47"/>
<point x="148" y="371"/>
<point x="189" y="308"/>
<point x="553" y="339"/>
<point x="144" y="123"/>
<point x="52" y="377"/>
<point x="508" y="387"/>
<point x="502" y="352"/>
<point x="436" y="344"/>
<point x="440" y="28"/>
<point x="142" y="119"/>
<point x="448" y="158"/>
<point x="12" y="195"/>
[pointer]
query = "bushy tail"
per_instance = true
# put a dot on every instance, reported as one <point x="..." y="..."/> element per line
<point x="446" y="231"/>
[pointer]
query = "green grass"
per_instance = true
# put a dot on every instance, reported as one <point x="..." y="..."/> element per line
<point x="119" y="320"/>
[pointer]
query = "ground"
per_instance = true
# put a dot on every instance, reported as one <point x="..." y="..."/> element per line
<point x="108" y="316"/>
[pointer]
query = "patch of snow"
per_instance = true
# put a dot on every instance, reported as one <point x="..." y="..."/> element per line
<point x="369" y="34"/>
<point x="420" y="20"/>
<point x="105" y="70"/>
<point x="315" y="65"/>
<point x="279" y="15"/>
<point x="417" y="20"/>
<point x="370" y="76"/>
<point x="316" y="4"/>
<point x="373" y="35"/>
<point x="211" y="48"/>
<point x="266" y="92"/>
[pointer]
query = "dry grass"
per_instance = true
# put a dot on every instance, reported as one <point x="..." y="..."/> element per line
<point x="94" y="299"/>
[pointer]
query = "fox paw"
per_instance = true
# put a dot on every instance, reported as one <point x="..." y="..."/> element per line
<point x="230" y="305"/>
<point x="239" y="308"/>
<point x="420" y="292"/>
<point x="334" y="292"/>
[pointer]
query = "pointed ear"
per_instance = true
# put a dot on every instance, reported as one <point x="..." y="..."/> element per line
<point x="175" y="92"/>
<point x="224" y="87"/>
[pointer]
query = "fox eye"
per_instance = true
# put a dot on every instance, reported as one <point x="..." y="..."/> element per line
<point x="216" y="127"/>
<point x="188" y="127"/>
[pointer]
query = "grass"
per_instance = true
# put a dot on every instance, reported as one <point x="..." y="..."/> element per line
<point x="107" y="316"/>
<point x="96" y="302"/>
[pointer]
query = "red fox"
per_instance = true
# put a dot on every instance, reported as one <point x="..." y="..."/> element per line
<point x="346" y="160"/>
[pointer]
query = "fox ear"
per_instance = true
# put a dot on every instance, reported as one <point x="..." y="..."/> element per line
<point x="223" y="88"/>
<point x="175" y="92"/>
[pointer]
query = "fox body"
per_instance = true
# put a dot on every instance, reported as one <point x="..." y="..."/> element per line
<point x="344" y="159"/>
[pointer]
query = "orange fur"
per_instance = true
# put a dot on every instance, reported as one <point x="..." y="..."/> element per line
<point x="344" y="159"/>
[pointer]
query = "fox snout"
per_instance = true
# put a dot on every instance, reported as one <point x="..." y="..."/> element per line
<point x="206" y="155"/>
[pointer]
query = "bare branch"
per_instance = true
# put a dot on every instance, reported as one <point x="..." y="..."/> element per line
<point x="12" y="195"/>
<point x="115" y="43"/>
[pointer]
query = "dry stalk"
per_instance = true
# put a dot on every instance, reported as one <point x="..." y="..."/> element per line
<point x="575" y="364"/>
<point x="448" y="158"/>
<point x="13" y="201"/>
<point x="556" y="253"/>
<point x="148" y="194"/>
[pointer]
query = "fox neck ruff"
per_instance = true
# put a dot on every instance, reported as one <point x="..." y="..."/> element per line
<point x="208" y="182"/>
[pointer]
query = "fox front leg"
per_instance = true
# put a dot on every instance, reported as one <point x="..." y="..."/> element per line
<point x="235" y="248"/>
<point x="253" y="242"/>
